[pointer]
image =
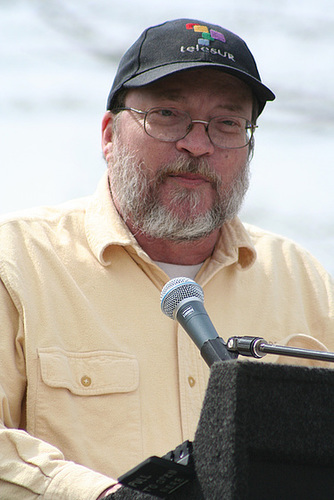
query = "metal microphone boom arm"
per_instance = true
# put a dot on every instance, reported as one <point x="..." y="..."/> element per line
<point x="257" y="347"/>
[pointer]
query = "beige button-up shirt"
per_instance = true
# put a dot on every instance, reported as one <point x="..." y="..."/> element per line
<point x="93" y="377"/>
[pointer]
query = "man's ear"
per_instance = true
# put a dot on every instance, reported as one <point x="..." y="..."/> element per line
<point x="107" y="132"/>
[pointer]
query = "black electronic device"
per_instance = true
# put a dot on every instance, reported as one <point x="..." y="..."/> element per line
<point x="162" y="476"/>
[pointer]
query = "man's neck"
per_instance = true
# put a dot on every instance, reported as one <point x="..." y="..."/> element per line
<point x="173" y="252"/>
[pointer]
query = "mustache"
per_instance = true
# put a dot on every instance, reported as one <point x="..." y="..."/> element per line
<point x="196" y="166"/>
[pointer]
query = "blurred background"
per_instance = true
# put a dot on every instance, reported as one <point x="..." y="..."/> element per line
<point x="57" y="63"/>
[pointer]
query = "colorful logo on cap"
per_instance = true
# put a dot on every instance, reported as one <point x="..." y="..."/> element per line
<point x="207" y="35"/>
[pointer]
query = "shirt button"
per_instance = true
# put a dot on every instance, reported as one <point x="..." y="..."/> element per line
<point x="86" y="381"/>
<point x="191" y="381"/>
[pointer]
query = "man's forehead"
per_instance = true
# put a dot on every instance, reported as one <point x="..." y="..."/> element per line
<point x="204" y="79"/>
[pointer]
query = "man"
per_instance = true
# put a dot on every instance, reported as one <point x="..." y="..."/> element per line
<point x="94" y="378"/>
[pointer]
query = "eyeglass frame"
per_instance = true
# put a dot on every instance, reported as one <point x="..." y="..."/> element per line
<point x="250" y="127"/>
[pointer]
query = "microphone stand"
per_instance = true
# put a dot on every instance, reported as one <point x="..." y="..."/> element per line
<point x="257" y="347"/>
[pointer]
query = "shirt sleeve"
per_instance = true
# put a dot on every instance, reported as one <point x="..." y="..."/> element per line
<point x="29" y="467"/>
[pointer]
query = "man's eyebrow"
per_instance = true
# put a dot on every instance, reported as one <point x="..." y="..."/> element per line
<point x="231" y="107"/>
<point x="171" y="95"/>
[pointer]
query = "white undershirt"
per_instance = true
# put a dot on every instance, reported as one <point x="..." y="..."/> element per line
<point x="175" y="270"/>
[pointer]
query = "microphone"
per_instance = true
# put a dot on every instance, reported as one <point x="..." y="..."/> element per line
<point x="182" y="299"/>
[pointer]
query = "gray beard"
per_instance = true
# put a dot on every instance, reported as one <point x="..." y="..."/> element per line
<point x="138" y="197"/>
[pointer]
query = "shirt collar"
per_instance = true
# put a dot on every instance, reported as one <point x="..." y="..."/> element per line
<point x="105" y="229"/>
<point x="235" y="245"/>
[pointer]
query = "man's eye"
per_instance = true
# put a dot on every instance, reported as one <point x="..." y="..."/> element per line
<point x="169" y="115"/>
<point x="167" y="112"/>
<point x="226" y="124"/>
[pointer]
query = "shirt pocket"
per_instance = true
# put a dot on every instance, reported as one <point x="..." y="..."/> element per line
<point x="87" y="404"/>
<point x="89" y="373"/>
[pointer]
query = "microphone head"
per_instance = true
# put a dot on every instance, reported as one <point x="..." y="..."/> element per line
<point x="175" y="291"/>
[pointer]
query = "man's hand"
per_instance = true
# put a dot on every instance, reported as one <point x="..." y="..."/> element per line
<point x="110" y="490"/>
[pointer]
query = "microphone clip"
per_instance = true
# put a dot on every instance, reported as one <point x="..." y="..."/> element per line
<point x="215" y="350"/>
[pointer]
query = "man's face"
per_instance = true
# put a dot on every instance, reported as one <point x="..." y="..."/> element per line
<point x="179" y="190"/>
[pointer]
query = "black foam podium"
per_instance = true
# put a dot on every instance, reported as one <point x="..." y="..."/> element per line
<point x="266" y="432"/>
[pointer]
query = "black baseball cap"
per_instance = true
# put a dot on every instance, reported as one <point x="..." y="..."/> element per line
<point x="184" y="44"/>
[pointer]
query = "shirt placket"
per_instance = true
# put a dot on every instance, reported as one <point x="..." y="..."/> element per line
<point x="193" y="377"/>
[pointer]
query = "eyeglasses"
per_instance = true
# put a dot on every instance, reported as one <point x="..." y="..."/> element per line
<point x="172" y="125"/>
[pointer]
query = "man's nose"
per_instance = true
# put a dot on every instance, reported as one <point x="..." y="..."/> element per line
<point x="197" y="142"/>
